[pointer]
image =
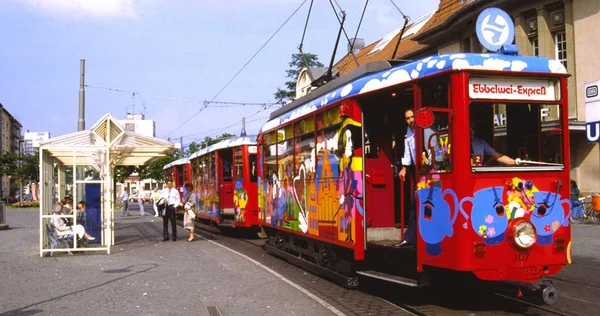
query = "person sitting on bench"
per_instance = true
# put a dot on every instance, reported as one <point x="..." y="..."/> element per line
<point x="62" y="229"/>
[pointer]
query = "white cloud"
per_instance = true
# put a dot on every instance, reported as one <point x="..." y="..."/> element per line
<point x="85" y="8"/>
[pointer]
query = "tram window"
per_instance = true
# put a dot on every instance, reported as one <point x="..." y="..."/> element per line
<point x="326" y="153"/>
<point x="226" y="156"/>
<point x="435" y="155"/>
<point x="270" y="162"/>
<point x="239" y="164"/>
<point x="528" y="131"/>
<point x="305" y="126"/>
<point x="252" y="161"/>
<point x="303" y="149"/>
<point x="434" y="92"/>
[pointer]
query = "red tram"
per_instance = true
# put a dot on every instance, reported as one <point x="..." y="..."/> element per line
<point x="329" y="193"/>
<point x="225" y="176"/>
<point x="179" y="172"/>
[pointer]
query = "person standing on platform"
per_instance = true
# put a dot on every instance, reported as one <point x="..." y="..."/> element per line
<point x="154" y="197"/>
<point x="172" y="200"/>
<point x="408" y="170"/>
<point x="125" y="201"/>
<point x="141" y="203"/>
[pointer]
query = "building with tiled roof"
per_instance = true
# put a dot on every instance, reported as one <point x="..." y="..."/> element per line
<point x="565" y="30"/>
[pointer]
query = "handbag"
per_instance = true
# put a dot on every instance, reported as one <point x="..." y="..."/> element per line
<point x="191" y="214"/>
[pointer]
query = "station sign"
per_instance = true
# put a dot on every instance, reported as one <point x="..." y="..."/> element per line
<point x="494" y="29"/>
<point x="513" y="89"/>
<point x="592" y="111"/>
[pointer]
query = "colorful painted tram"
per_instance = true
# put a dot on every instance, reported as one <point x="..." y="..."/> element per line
<point x="328" y="190"/>
<point x="225" y="175"/>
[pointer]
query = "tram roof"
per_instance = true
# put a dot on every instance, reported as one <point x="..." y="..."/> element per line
<point x="382" y="74"/>
<point x="227" y="143"/>
<point x="180" y="161"/>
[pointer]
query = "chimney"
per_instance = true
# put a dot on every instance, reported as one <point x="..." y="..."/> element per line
<point x="359" y="44"/>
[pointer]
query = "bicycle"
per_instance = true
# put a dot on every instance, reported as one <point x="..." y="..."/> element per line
<point x="581" y="211"/>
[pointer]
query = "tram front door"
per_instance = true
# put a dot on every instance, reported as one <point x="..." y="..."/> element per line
<point x="226" y="187"/>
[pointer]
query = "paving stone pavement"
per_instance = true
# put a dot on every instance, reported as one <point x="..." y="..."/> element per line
<point x="142" y="276"/>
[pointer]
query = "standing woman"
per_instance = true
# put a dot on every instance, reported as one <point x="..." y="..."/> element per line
<point x="574" y="191"/>
<point x="154" y="197"/>
<point x="141" y="202"/>
<point x="189" y="204"/>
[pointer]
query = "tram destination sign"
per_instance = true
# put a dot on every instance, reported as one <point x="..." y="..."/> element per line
<point x="513" y="89"/>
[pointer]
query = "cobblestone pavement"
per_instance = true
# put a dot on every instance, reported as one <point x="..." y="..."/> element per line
<point x="142" y="276"/>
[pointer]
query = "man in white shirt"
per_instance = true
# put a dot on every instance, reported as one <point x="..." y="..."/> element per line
<point x="409" y="169"/>
<point x="125" y="201"/>
<point x="172" y="200"/>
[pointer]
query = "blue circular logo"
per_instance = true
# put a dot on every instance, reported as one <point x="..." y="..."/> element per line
<point x="494" y="29"/>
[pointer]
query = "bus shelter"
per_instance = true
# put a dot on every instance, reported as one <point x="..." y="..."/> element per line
<point x="97" y="150"/>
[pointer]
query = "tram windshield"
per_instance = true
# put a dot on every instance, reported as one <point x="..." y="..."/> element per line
<point x="527" y="135"/>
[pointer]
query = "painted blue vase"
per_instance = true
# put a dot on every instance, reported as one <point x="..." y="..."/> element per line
<point x="488" y="211"/>
<point x="435" y="217"/>
<point x="549" y="211"/>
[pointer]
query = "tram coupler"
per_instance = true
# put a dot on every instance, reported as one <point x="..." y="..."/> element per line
<point x="549" y="293"/>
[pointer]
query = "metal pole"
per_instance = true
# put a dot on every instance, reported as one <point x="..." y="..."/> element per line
<point x="80" y="125"/>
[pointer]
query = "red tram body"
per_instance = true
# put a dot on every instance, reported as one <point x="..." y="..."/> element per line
<point x="328" y="191"/>
<point x="180" y="173"/>
<point x="225" y="178"/>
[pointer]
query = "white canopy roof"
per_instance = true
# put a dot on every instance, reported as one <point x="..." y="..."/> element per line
<point x="126" y="148"/>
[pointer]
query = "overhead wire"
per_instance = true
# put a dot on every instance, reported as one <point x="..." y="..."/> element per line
<point x="178" y="99"/>
<point x="241" y="69"/>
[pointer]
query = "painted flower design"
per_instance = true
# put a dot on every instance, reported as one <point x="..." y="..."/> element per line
<point x="491" y="232"/>
<point x="547" y="228"/>
<point x="555" y="225"/>
<point x="489" y="219"/>
<point x="482" y="229"/>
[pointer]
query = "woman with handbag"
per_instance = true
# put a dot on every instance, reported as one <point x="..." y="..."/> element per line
<point x="189" y="205"/>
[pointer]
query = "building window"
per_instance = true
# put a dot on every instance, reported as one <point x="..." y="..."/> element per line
<point x="560" y="40"/>
<point x="536" y="47"/>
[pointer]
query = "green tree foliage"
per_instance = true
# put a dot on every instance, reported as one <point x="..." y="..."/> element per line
<point x="121" y="173"/>
<point x="209" y="140"/>
<point x="154" y="170"/>
<point x="192" y="148"/>
<point x="8" y="163"/>
<point x="29" y="169"/>
<point x="298" y="62"/>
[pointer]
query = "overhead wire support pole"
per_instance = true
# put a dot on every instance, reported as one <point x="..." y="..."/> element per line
<point x="406" y="20"/>
<point x="343" y="14"/>
<point x="329" y="75"/>
<point x="302" y="40"/>
<point x="358" y="28"/>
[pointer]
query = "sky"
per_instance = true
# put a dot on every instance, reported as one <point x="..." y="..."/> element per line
<point x="165" y="58"/>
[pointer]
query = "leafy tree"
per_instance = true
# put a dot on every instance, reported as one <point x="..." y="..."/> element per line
<point x="298" y="62"/>
<point x="192" y="148"/>
<point x="8" y="163"/>
<point x="154" y="170"/>
<point x="29" y="169"/>
<point x="209" y="140"/>
<point x="121" y="173"/>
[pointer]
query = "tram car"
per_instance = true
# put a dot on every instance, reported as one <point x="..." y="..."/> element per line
<point x="225" y="177"/>
<point x="179" y="172"/>
<point x="330" y="196"/>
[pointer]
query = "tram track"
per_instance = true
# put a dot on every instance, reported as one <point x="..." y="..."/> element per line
<point x="532" y="305"/>
<point x="400" y="301"/>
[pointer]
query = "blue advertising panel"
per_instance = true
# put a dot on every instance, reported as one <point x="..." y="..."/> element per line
<point x="93" y="200"/>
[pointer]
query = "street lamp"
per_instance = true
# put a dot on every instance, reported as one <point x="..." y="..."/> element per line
<point x="21" y="141"/>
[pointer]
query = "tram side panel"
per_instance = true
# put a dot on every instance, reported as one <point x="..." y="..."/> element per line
<point x="316" y="192"/>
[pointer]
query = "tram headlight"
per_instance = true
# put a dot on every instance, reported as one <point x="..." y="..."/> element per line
<point x="523" y="234"/>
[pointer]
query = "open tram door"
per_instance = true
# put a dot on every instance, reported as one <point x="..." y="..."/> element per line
<point x="226" y="185"/>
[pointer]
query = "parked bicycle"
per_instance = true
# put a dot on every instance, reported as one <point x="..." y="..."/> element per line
<point x="581" y="211"/>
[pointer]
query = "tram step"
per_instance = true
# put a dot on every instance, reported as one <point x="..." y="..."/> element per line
<point x="389" y="278"/>
<point x="227" y="223"/>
